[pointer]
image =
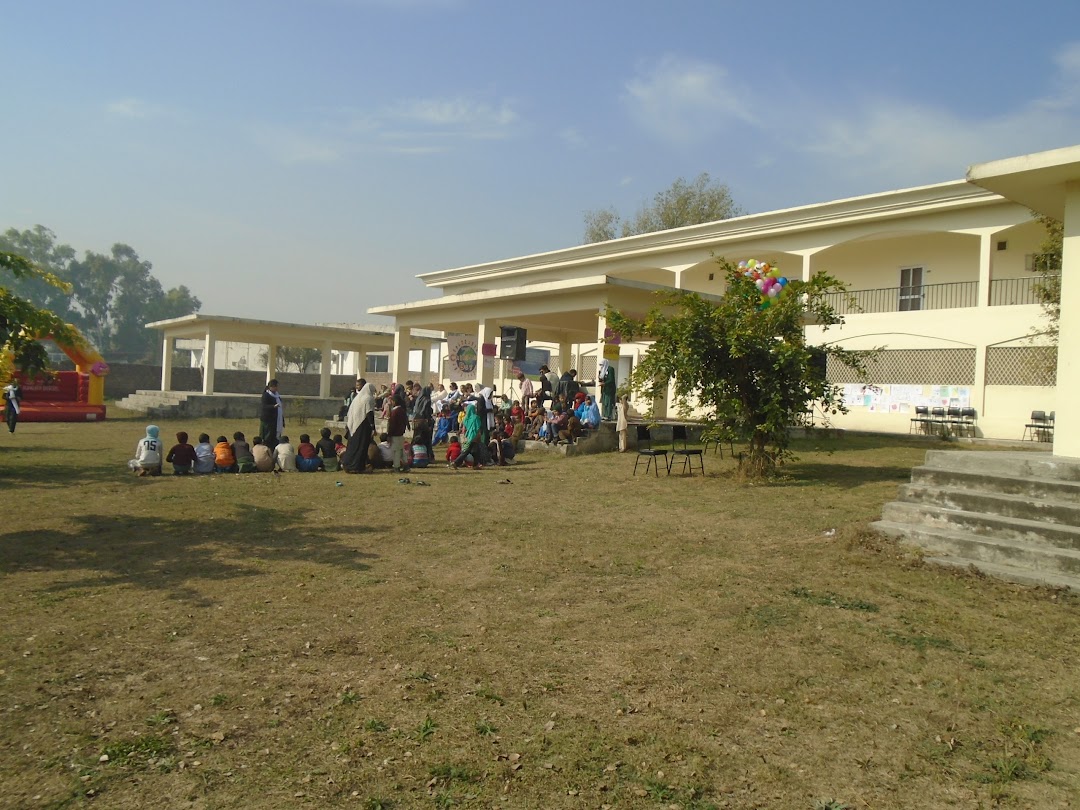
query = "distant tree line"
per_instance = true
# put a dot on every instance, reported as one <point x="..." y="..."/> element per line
<point x="112" y="296"/>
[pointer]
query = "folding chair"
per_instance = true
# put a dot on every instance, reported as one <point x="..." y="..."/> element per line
<point x="652" y="456"/>
<point x="1037" y="428"/>
<point x="678" y="435"/>
<point x="920" y="423"/>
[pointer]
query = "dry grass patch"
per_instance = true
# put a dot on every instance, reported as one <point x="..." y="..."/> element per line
<point x="578" y="638"/>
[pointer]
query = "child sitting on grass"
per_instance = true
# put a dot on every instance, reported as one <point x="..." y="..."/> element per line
<point x="263" y="455"/>
<point x="224" y="459"/>
<point x="453" y="450"/>
<point x="147" y="459"/>
<point x="245" y="459"/>
<point x="307" y="457"/>
<point x="328" y="450"/>
<point x="284" y="455"/>
<point x="181" y="456"/>
<point x="204" y="455"/>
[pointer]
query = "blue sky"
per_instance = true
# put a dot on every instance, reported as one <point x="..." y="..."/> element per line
<point x="306" y="160"/>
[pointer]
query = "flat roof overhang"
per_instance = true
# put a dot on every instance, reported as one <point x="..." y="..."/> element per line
<point x="247" y="330"/>
<point x="1038" y="181"/>
<point x="553" y="311"/>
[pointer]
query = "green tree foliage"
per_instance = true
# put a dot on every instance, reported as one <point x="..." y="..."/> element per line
<point x="288" y="356"/>
<point x="682" y="204"/>
<point x="1047" y="268"/>
<point x="113" y="296"/>
<point x="22" y="323"/>
<point x="750" y="370"/>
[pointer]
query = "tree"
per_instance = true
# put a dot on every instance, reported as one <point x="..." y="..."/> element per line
<point x="22" y="323"/>
<point x="297" y="356"/>
<point x="681" y="204"/>
<point x="112" y="297"/>
<point x="38" y="246"/>
<point x="1047" y="268"/>
<point x="744" y="362"/>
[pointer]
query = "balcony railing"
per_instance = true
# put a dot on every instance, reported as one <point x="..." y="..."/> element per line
<point x="953" y="295"/>
<point x="1003" y="292"/>
<point x="1012" y="291"/>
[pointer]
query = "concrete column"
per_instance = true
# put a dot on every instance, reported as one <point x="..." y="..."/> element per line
<point x="271" y="362"/>
<point x="361" y="362"/>
<point x="487" y="332"/>
<point x="168" y="346"/>
<point x="566" y="360"/>
<point x="601" y="326"/>
<point x="402" y="339"/>
<point x="806" y="267"/>
<point x="1067" y="424"/>
<point x="209" y="354"/>
<point x="325" y="369"/>
<point x="425" y="366"/>
<point x="986" y="261"/>
<point x="978" y="392"/>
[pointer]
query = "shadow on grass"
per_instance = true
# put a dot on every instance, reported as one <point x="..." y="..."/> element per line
<point x="173" y="555"/>
<point x="845" y="476"/>
<point x="16" y="474"/>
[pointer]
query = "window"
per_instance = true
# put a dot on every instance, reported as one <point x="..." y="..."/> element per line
<point x="377" y="363"/>
<point x="911" y="288"/>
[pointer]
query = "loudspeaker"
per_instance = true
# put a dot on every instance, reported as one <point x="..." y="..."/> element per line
<point x="512" y="343"/>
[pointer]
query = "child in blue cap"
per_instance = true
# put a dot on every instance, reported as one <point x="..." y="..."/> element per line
<point x="147" y="459"/>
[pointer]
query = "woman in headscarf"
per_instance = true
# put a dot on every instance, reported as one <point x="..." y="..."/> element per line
<point x="360" y="422"/>
<point x="607" y="390"/>
<point x="470" y="438"/>
<point x="487" y="419"/>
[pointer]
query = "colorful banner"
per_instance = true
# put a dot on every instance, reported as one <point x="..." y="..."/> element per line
<point x="463" y="354"/>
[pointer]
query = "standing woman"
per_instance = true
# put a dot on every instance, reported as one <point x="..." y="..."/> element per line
<point x="607" y="391"/>
<point x="360" y="422"/>
<point x="470" y="438"/>
<point x="12" y="404"/>
<point x="271" y="415"/>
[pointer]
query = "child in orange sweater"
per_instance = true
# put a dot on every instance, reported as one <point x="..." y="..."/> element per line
<point x="224" y="458"/>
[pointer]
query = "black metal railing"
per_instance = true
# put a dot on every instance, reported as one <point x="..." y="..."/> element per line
<point x="954" y="295"/>
<point x="1006" y="292"/>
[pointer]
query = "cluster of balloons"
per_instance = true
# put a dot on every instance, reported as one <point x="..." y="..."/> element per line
<point x="767" y="279"/>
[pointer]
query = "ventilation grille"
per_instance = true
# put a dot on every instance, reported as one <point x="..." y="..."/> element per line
<point x="911" y="367"/>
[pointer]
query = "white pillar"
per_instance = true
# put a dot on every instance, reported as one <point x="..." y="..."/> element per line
<point x="271" y="362"/>
<point x="986" y="260"/>
<point x="325" y="369"/>
<point x="425" y="367"/>
<point x="1067" y="424"/>
<point x="361" y="362"/>
<point x="487" y="332"/>
<point x="209" y="355"/>
<point x="565" y="358"/>
<point x="402" y="339"/>
<point x="168" y="347"/>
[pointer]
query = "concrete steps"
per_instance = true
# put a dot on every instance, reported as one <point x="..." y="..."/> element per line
<point x="157" y="404"/>
<point x="1012" y="515"/>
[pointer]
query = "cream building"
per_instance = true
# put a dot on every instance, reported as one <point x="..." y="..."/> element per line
<point x="941" y="275"/>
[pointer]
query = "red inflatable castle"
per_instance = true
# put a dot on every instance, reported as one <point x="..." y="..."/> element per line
<point x="67" y="396"/>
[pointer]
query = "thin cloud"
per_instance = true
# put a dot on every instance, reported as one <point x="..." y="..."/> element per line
<point x="572" y="137"/>
<point x="902" y="142"/>
<point x="289" y="147"/>
<point x="137" y="109"/>
<point x="686" y="101"/>
<point x="459" y="116"/>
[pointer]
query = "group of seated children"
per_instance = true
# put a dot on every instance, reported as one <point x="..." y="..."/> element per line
<point x="236" y="456"/>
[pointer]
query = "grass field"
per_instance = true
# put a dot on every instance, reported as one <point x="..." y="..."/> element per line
<point x="578" y="638"/>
